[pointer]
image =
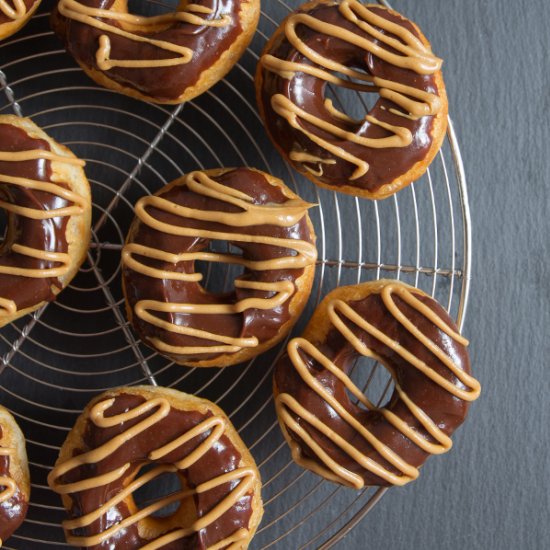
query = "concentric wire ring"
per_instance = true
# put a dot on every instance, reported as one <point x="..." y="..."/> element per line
<point x="56" y="360"/>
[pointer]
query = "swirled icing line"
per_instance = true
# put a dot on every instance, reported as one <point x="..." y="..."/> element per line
<point x="8" y="486"/>
<point x="288" y="408"/>
<point x="213" y="427"/>
<point x="15" y="11"/>
<point x="403" y="50"/>
<point x="194" y="14"/>
<point x="8" y="307"/>
<point x="286" y="214"/>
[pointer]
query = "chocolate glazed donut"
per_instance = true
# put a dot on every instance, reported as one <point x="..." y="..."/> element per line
<point x="14" y="476"/>
<point x="165" y="59"/>
<point x="47" y="197"/>
<point x="360" y="444"/>
<point x="14" y="14"/>
<point x="369" y="49"/>
<point x="247" y="209"/>
<point x="124" y="430"/>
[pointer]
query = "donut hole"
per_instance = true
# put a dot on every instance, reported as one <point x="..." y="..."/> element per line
<point x="157" y="489"/>
<point x="373" y="379"/>
<point x="152" y="7"/>
<point x="354" y="104"/>
<point x="4" y="216"/>
<point x="3" y="224"/>
<point x="218" y="278"/>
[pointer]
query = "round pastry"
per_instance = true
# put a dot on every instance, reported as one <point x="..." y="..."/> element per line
<point x="332" y="427"/>
<point x="14" y="14"/>
<point x="46" y="195"/>
<point x="169" y="58"/>
<point x="15" y="485"/>
<point x="245" y="208"/>
<point x="328" y="45"/>
<point x="125" y="430"/>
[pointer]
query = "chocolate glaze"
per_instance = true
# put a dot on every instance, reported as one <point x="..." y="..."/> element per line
<point x="14" y="510"/>
<point x="309" y="92"/>
<point x="447" y="411"/>
<point x="162" y="83"/>
<point x="221" y="458"/>
<point x="5" y="19"/>
<point x="46" y="234"/>
<point x="263" y="324"/>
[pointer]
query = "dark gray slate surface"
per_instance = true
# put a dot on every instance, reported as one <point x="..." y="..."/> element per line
<point x="492" y="491"/>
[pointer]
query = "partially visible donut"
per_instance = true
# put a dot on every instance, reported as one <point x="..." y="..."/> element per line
<point x="46" y="195"/>
<point x="15" y="485"/>
<point x="14" y="14"/>
<point x="332" y="427"/>
<point x="247" y="209"/>
<point x="125" y="430"/>
<point x="370" y="49"/>
<point x="169" y="58"/>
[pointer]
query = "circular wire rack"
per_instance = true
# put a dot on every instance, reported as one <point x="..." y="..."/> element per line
<point x="54" y="361"/>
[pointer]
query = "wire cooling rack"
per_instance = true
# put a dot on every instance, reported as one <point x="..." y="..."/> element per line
<point x="53" y="362"/>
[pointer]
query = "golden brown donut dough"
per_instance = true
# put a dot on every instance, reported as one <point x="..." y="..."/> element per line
<point x="17" y="13"/>
<point x="77" y="232"/>
<point x="248" y="19"/>
<point x="138" y="287"/>
<point x="13" y="501"/>
<point x="165" y="415"/>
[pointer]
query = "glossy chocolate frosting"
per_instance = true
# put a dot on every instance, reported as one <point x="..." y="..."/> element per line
<point x="221" y="458"/>
<point x="446" y="410"/>
<point x="5" y="19"/>
<point x="263" y="324"/>
<point x="14" y="509"/>
<point x="40" y="234"/>
<point x="308" y="92"/>
<point x="207" y="43"/>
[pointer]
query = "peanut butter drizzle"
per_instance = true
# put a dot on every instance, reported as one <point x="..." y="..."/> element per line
<point x="74" y="10"/>
<point x="216" y="425"/>
<point x="412" y="54"/>
<point x="329" y="468"/>
<point x="18" y="10"/>
<point x="304" y="157"/>
<point x="283" y="215"/>
<point x="8" y="307"/>
<point x="8" y="483"/>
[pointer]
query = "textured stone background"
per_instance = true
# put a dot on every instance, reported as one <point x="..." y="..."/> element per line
<point x="492" y="492"/>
